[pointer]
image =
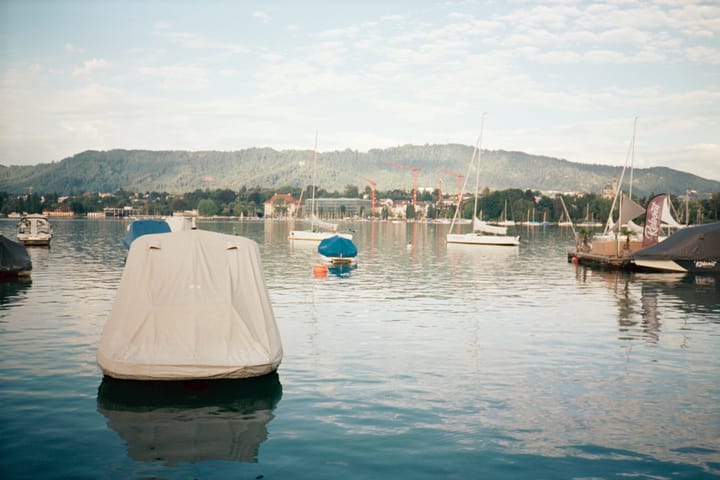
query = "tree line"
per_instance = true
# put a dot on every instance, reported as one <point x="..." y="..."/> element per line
<point x="512" y="204"/>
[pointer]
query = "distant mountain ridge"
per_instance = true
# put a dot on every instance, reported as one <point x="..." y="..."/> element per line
<point x="184" y="171"/>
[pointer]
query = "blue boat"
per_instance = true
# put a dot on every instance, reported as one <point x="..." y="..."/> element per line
<point x="338" y="250"/>
<point x="141" y="227"/>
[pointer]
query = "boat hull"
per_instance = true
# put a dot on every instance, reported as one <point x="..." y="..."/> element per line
<point x="339" y="261"/>
<point x="309" y="235"/>
<point x="475" y="239"/>
<point x="34" y="241"/>
<point x="693" y="249"/>
<point x="678" y="265"/>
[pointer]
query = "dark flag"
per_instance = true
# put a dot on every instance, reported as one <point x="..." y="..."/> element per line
<point x="653" y="220"/>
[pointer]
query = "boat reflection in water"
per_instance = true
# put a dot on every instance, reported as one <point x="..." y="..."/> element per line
<point x="645" y="301"/>
<point x="341" y="270"/>
<point x="13" y="292"/>
<point x="191" y="421"/>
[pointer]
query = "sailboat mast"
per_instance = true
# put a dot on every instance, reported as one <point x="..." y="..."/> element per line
<point x="477" y="167"/>
<point x="632" y="158"/>
<point x="312" y="206"/>
<point x="464" y="184"/>
<point x="631" y="150"/>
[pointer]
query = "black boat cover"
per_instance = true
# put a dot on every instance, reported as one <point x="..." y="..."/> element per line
<point x="14" y="257"/>
<point x="701" y="242"/>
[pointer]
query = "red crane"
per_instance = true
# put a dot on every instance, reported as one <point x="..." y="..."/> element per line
<point x="440" y="198"/>
<point x="372" y="208"/>
<point x="460" y="179"/>
<point x="414" y="170"/>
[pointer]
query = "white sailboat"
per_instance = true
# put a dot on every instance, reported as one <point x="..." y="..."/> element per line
<point x="565" y="220"/>
<point x="319" y="230"/>
<point x="589" y="221"/>
<point x="482" y="233"/>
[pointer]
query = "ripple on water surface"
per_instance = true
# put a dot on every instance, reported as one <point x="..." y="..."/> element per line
<point x="427" y="361"/>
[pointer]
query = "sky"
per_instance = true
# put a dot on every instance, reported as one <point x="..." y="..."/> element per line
<point x="559" y="78"/>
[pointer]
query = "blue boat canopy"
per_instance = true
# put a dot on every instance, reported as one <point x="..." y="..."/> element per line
<point x="141" y="227"/>
<point x="337" y="246"/>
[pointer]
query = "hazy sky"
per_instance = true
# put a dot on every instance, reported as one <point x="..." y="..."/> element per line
<point x="560" y="78"/>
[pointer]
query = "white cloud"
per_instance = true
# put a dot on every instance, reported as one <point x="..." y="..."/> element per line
<point x="90" y="66"/>
<point x="345" y="32"/>
<point x="704" y="55"/>
<point x="414" y="111"/>
<point x="70" y="48"/>
<point x="262" y="16"/>
<point x="161" y="25"/>
<point x="624" y="35"/>
<point x="196" y="41"/>
<point x="177" y="77"/>
<point x="698" y="20"/>
<point x="606" y="56"/>
<point x="328" y="54"/>
<point x="392" y="18"/>
<point x="557" y="57"/>
<point x="88" y="130"/>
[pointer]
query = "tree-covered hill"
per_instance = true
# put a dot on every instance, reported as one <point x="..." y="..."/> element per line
<point x="183" y="171"/>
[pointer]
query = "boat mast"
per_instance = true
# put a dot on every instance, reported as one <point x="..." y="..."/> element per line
<point x="467" y="176"/>
<point x="631" y="150"/>
<point x="632" y="158"/>
<point x="312" y="205"/>
<point x="477" y="168"/>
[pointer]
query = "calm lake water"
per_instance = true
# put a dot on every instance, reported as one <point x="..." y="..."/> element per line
<point x="426" y="361"/>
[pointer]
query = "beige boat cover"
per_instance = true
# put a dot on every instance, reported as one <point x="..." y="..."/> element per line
<point x="191" y="304"/>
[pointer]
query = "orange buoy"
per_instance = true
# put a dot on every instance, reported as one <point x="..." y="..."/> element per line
<point x="320" y="271"/>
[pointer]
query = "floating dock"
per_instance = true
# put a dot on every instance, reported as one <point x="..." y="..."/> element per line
<point x="611" y="262"/>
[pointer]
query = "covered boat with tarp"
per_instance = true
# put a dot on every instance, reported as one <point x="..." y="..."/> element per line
<point x="191" y="305"/>
<point x="14" y="259"/>
<point x="693" y="249"/>
<point x="144" y="226"/>
<point x="338" y="250"/>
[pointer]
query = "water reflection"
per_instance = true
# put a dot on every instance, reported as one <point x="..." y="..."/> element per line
<point x="13" y="291"/>
<point x="644" y="300"/>
<point x="191" y="421"/>
<point x="492" y="252"/>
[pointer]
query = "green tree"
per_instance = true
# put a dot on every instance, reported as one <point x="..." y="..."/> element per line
<point x="207" y="207"/>
<point x="431" y="212"/>
<point x="77" y="207"/>
<point x="351" y="191"/>
<point x="410" y="211"/>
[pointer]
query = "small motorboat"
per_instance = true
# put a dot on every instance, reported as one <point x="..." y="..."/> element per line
<point x="338" y="250"/>
<point x="34" y="230"/>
